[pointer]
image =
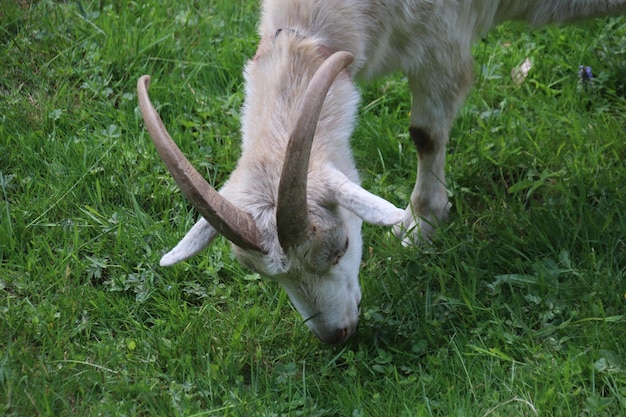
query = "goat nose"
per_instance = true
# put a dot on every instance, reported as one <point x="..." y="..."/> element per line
<point x="340" y="336"/>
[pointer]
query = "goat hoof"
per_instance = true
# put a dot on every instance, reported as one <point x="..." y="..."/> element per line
<point x="415" y="234"/>
<point x="416" y="230"/>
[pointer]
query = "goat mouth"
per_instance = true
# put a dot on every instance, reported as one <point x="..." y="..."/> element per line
<point x="312" y="317"/>
<point x="337" y="337"/>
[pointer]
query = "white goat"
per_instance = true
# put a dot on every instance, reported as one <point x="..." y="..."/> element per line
<point x="293" y="206"/>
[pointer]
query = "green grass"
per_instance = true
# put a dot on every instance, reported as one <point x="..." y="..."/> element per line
<point x="518" y="307"/>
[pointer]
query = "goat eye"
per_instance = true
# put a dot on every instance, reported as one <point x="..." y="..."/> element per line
<point x="342" y="252"/>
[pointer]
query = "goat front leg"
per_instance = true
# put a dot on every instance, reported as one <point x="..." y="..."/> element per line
<point x="429" y="201"/>
<point x="434" y="107"/>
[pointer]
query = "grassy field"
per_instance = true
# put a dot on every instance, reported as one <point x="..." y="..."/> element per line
<point x="517" y="309"/>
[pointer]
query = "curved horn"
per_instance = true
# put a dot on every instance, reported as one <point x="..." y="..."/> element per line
<point x="233" y="223"/>
<point x="292" y="213"/>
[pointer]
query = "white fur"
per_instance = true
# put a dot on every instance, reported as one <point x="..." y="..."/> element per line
<point x="430" y="41"/>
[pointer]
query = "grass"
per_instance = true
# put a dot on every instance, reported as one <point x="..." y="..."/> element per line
<point x="518" y="307"/>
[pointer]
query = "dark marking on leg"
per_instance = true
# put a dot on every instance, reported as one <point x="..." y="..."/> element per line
<point x="422" y="140"/>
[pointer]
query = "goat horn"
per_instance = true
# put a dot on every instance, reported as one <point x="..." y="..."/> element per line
<point x="292" y="213"/>
<point x="233" y="223"/>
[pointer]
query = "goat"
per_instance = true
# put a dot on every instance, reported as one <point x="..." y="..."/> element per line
<point x="293" y="206"/>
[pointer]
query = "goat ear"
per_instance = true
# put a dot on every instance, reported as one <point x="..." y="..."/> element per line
<point x="196" y="239"/>
<point x="369" y="207"/>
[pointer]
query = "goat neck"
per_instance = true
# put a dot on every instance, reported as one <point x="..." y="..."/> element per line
<point x="292" y="213"/>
